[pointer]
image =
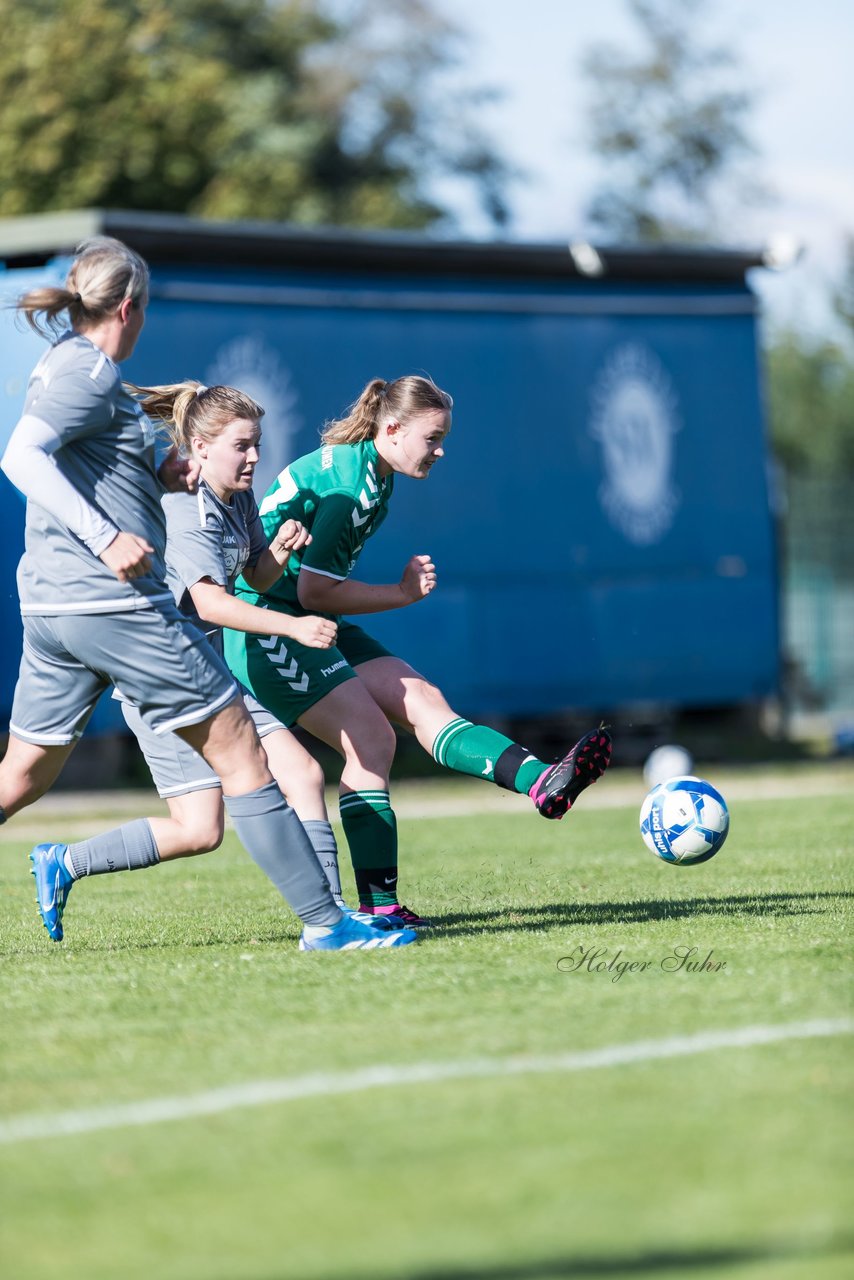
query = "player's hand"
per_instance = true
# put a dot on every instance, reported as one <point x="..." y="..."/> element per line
<point x="127" y="556"/>
<point x="291" y="536"/>
<point x="315" y="633"/>
<point x="177" y="474"/>
<point x="419" y="578"/>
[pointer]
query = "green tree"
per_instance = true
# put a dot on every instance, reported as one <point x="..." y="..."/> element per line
<point x="811" y="404"/>
<point x="811" y="391"/>
<point x="285" y="109"/>
<point x="843" y="294"/>
<point x="670" y="124"/>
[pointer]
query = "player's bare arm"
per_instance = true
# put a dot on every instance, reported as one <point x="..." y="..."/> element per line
<point x="292" y="536"/>
<point x="315" y="591"/>
<point x="214" y="604"/>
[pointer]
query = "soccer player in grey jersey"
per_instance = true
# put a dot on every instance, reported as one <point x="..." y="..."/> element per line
<point x="212" y="536"/>
<point x="97" y="610"/>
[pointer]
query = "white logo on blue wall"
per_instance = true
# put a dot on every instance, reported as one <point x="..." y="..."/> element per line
<point x="634" y="415"/>
<point x="251" y="365"/>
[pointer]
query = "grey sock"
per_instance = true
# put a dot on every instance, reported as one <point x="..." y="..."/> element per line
<point x="124" y="848"/>
<point x="274" y="837"/>
<point x="322" y="839"/>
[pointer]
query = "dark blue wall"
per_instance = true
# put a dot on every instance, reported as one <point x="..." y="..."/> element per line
<point x="563" y="581"/>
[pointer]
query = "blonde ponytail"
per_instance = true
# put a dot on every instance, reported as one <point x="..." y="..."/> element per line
<point x="395" y="401"/>
<point x="103" y="274"/>
<point x="362" y="418"/>
<point x="190" y="409"/>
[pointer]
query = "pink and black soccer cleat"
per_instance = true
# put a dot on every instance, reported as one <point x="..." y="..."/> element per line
<point x="558" y="787"/>
<point x="410" y="919"/>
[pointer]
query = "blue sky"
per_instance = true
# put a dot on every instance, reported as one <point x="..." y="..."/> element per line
<point x="800" y="58"/>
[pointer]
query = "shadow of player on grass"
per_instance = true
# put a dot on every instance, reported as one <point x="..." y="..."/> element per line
<point x="658" y="1262"/>
<point x="560" y="914"/>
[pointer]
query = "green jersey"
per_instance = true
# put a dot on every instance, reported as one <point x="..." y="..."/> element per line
<point x="339" y="496"/>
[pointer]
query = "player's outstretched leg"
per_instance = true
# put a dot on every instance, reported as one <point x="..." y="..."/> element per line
<point x="353" y="935"/>
<point x="558" y="787"/>
<point x="53" y="885"/>
<point x="483" y="752"/>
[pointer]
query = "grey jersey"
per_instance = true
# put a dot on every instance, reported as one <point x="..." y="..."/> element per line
<point x="209" y="538"/>
<point x="106" y="453"/>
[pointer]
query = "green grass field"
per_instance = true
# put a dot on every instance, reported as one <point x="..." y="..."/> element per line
<point x="729" y="1162"/>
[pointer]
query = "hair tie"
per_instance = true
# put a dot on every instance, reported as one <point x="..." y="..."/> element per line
<point x="77" y="297"/>
<point x="200" y="390"/>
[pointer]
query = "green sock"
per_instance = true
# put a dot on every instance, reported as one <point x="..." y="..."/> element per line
<point x="485" y="753"/>
<point x="371" y="830"/>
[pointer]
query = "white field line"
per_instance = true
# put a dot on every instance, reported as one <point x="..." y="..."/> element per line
<point x="261" y="1093"/>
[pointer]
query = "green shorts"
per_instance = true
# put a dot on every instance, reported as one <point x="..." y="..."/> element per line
<point x="287" y="677"/>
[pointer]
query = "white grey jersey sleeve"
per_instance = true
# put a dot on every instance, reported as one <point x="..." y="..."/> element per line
<point x="29" y="464"/>
<point x="104" y="453"/>
<point x="209" y="539"/>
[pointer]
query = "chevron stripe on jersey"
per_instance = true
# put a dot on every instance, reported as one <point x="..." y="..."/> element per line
<point x="282" y="490"/>
<point x="369" y="499"/>
<point x="337" y="493"/>
<point x="286" y="666"/>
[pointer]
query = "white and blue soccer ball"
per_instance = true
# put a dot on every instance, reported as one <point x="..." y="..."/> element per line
<point x="684" y="820"/>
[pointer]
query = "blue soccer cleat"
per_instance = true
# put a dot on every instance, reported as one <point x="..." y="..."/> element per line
<point x="53" y="885"/>
<point x="352" y="935"/>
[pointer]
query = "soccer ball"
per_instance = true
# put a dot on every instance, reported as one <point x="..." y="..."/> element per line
<point x="684" y="820"/>
<point x="666" y="762"/>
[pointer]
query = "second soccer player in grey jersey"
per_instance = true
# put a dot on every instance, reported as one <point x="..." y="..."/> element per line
<point x="213" y="536"/>
<point x="97" y="610"/>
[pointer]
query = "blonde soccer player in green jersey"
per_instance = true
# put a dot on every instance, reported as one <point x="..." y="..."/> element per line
<point x="349" y="696"/>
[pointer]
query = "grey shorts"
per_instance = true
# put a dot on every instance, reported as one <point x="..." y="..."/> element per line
<point x="175" y="768"/>
<point x="156" y="658"/>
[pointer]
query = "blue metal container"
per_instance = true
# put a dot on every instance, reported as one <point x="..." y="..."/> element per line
<point x="601" y="522"/>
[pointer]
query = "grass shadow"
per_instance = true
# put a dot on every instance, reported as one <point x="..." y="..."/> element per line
<point x="510" y="919"/>
<point x="657" y="1262"/>
<point x="580" y="914"/>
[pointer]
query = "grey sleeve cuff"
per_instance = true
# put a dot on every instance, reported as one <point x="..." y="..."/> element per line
<point x="29" y="465"/>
